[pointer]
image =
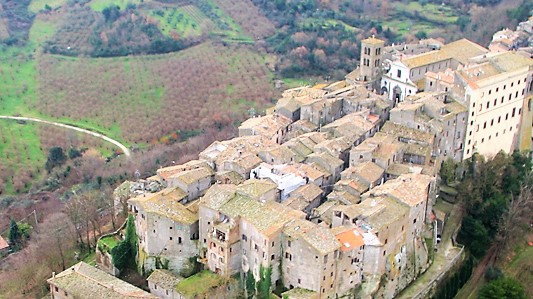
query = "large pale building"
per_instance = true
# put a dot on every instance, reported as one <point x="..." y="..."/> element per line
<point x="495" y="90"/>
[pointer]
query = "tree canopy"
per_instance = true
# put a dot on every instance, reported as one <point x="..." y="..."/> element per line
<point x="488" y="190"/>
<point x="503" y="288"/>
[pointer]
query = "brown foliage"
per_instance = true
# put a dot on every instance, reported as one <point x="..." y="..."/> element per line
<point x="153" y="96"/>
<point x="248" y="16"/>
<point x="50" y="249"/>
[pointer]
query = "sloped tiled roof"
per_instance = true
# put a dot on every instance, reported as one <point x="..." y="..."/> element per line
<point x="85" y="281"/>
<point x="164" y="279"/>
<point x="318" y="237"/>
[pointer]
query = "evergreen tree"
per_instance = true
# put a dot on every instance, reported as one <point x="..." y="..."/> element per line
<point x="125" y="252"/>
<point x="250" y="285"/>
<point x="503" y="288"/>
<point x="15" y="236"/>
<point x="263" y="287"/>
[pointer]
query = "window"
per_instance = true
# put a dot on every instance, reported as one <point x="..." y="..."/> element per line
<point x="482" y="140"/>
<point x="488" y="105"/>
<point x="289" y="243"/>
<point x="399" y="73"/>
<point x="179" y="240"/>
<point x="506" y="116"/>
<point x="514" y="111"/>
<point x="272" y="257"/>
<point x="414" y="220"/>
<point x="502" y="99"/>
<point x="299" y="280"/>
<point x="485" y="125"/>
<point x="492" y="122"/>
<point x="171" y="227"/>
<point x="490" y="91"/>
<point x="244" y="238"/>
<point x="384" y="252"/>
<point x="170" y="238"/>
<point x="499" y="119"/>
<point x="495" y="101"/>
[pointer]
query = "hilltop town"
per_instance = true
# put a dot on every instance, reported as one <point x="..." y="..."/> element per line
<point x="332" y="192"/>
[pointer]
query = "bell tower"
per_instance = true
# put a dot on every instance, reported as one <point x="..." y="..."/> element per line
<point x="371" y="59"/>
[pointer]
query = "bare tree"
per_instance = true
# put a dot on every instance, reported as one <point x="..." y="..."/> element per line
<point x="517" y="217"/>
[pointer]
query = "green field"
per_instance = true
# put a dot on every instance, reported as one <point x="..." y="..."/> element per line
<point x="227" y="26"/>
<point x="186" y="21"/>
<point x="99" y="5"/>
<point x="38" y="5"/>
<point x="199" y="284"/>
<point x="413" y="17"/>
<point x="108" y="243"/>
<point x="434" y="13"/>
<point x="20" y="150"/>
<point x="520" y="267"/>
<point x="41" y="31"/>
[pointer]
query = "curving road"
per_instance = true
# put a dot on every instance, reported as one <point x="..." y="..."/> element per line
<point x="124" y="149"/>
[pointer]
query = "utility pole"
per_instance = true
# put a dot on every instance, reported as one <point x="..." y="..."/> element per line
<point x="36" y="222"/>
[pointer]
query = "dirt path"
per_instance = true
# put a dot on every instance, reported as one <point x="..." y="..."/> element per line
<point x="124" y="149"/>
<point x="474" y="282"/>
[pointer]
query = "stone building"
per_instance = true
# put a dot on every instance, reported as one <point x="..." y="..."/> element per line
<point x="309" y="254"/>
<point x="439" y="114"/>
<point x="167" y="231"/>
